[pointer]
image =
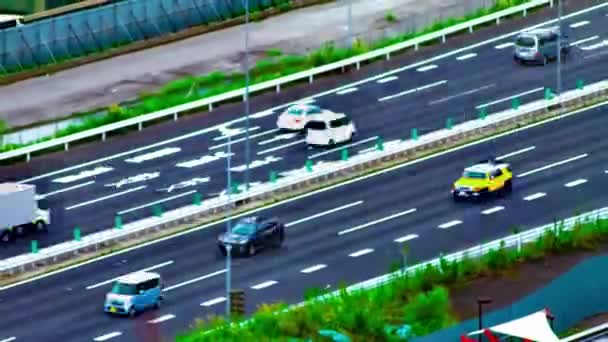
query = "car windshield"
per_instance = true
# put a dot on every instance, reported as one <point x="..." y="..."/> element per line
<point x="244" y="229"/>
<point x="475" y="175"/>
<point x="316" y="125"/>
<point x="527" y="42"/>
<point x="295" y="111"/>
<point x="124" y="289"/>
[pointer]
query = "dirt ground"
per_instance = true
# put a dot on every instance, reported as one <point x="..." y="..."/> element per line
<point x="509" y="287"/>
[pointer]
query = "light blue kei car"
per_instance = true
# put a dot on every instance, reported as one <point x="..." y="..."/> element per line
<point x="134" y="293"/>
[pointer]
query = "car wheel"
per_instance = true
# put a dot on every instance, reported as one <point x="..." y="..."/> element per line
<point x="331" y="142"/>
<point x="508" y="186"/>
<point x="251" y="250"/>
<point x="40" y="226"/>
<point x="8" y="236"/>
<point x="132" y="312"/>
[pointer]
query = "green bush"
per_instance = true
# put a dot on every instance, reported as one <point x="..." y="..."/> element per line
<point x="390" y="17"/>
<point x="428" y="311"/>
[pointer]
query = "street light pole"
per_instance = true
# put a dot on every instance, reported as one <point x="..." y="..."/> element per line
<point x="480" y="303"/>
<point x="247" y="80"/>
<point x="228" y="228"/>
<point x="559" y="49"/>
<point x="350" y="23"/>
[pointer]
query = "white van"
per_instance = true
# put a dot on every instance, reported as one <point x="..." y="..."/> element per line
<point x="329" y="129"/>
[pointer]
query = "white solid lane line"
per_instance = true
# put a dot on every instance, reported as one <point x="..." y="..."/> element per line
<point x="105" y="197"/>
<point x="514" y="153"/>
<point x="313" y="268"/>
<point x="427" y="68"/>
<point x="575" y="183"/>
<point x="546" y="167"/>
<point x="467" y="56"/>
<point x="406" y="238"/>
<point x="493" y="210"/>
<point x="535" y="196"/>
<point x="466" y="93"/>
<point x="350" y="230"/>
<point x="43" y="196"/>
<point x="347" y="91"/>
<point x="167" y="263"/>
<point x="281" y="147"/>
<point x="107" y="336"/>
<point x="161" y="319"/>
<point x="504" y="45"/>
<point x="586" y="40"/>
<point x="262" y="114"/>
<point x="264" y="285"/>
<point x="434" y="84"/>
<point x="261" y="134"/>
<point x="580" y="24"/>
<point x="532" y="91"/>
<point x="340" y="148"/>
<point x="293" y="223"/>
<point x="206" y="276"/>
<point x="214" y="301"/>
<point x="449" y="224"/>
<point x="387" y="79"/>
<point x="10" y="339"/>
<point x="361" y="252"/>
<point x="279" y="137"/>
<point x="156" y="202"/>
<point x="153" y="155"/>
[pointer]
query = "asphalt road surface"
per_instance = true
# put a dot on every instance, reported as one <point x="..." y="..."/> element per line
<point x="88" y="185"/>
<point x="348" y="233"/>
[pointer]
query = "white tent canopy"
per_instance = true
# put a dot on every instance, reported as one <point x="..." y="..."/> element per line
<point x="533" y="327"/>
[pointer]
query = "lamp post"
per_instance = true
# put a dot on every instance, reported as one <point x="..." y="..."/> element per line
<point x="350" y="23"/>
<point x="480" y="303"/>
<point x="247" y="81"/>
<point x="559" y="50"/>
<point x="551" y="319"/>
<point x="228" y="228"/>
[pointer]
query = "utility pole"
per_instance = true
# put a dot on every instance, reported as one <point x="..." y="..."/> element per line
<point x="350" y="23"/>
<point x="247" y="80"/>
<point x="559" y="50"/>
<point x="228" y="228"/>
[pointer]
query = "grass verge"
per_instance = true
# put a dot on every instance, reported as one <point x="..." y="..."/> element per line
<point x="276" y="65"/>
<point x="419" y="298"/>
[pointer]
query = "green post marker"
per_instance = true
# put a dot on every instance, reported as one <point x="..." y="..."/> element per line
<point x="235" y="188"/>
<point x="345" y="154"/>
<point x="449" y="123"/>
<point x="414" y="133"/>
<point x="515" y="103"/>
<point x="580" y="84"/>
<point x="118" y="222"/>
<point x="34" y="246"/>
<point x="198" y="199"/>
<point x="483" y="113"/>
<point x="273" y="176"/>
<point x="309" y="165"/>
<point x="380" y="144"/>
<point x="548" y="94"/>
<point x="76" y="234"/>
<point x="158" y="210"/>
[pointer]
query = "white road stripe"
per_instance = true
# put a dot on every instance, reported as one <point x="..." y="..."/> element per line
<point x="450" y="224"/>
<point x="347" y="91"/>
<point x="82" y="174"/>
<point x="575" y="183"/>
<point x="406" y="238"/>
<point x="535" y="90"/>
<point x="468" y="92"/>
<point x="342" y="147"/>
<point x="361" y="252"/>
<point x="606" y="171"/>
<point x="156" y="202"/>
<point x="467" y="56"/>
<point x="166" y="263"/>
<point x="262" y="114"/>
<point x="313" y="268"/>
<point x="578" y="42"/>
<point x="264" y="285"/>
<point x="161" y="319"/>
<point x="350" y="230"/>
<point x="514" y="153"/>
<point x="234" y="132"/>
<point x="43" y="196"/>
<point x="580" y="24"/>
<point x="290" y="224"/>
<point x="546" y="167"/>
<point x="188" y="282"/>
<point x="154" y="155"/>
<point x="10" y="339"/>
<point x="215" y="147"/>
<point x="427" y="68"/>
<point x="213" y="301"/>
<point x="105" y="198"/>
<point x="504" y="45"/>
<point x="413" y="90"/>
<point x="107" y="336"/>
<point x="281" y="147"/>
<point x="493" y="210"/>
<point x="286" y="136"/>
<point x="387" y="79"/>
<point x="535" y="196"/>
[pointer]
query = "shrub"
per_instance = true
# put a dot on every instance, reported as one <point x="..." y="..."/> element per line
<point x="428" y="312"/>
<point x="390" y="17"/>
<point x="274" y="52"/>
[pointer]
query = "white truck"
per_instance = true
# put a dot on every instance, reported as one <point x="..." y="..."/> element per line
<point x="19" y="212"/>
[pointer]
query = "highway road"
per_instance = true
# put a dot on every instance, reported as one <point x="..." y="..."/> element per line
<point x="347" y="233"/>
<point x="87" y="186"/>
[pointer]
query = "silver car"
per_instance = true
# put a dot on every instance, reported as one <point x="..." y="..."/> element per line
<point x="539" y="46"/>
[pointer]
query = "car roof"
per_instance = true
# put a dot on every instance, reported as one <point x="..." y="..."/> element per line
<point x="541" y="32"/>
<point x="303" y="106"/>
<point x="138" y="277"/>
<point x="486" y="167"/>
<point x="328" y="116"/>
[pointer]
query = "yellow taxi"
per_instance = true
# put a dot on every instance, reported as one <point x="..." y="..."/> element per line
<point x="488" y="177"/>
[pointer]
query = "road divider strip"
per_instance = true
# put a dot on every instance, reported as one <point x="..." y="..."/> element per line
<point x="317" y="176"/>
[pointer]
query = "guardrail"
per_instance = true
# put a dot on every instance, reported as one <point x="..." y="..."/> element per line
<point x="307" y="74"/>
<point x="321" y="172"/>
<point x="589" y="334"/>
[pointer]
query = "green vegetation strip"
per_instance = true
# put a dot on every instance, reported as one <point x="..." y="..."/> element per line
<point x="419" y="299"/>
<point x="276" y="65"/>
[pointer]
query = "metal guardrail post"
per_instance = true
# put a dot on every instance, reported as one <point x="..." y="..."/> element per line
<point x="34" y="246"/>
<point x="483" y="113"/>
<point x="414" y="134"/>
<point x="344" y="154"/>
<point x="198" y="198"/>
<point x="77" y="236"/>
<point x="309" y="165"/>
<point x="118" y="222"/>
<point x="580" y="84"/>
<point x="449" y="123"/>
<point x="515" y="103"/>
<point x="273" y="177"/>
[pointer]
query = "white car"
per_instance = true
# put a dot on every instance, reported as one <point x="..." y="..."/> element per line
<point x="295" y="117"/>
<point x="329" y="129"/>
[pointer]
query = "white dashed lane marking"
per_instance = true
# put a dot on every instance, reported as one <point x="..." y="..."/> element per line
<point x="406" y="238"/>
<point x="575" y="183"/>
<point x="264" y="285"/>
<point x="535" y="196"/>
<point x="426" y="68"/>
<point x="504" y="45"/>
<point x="449" y="224"/>
<point x="361" y="252"/>
<point x="347" y="91"/>
<point x="313" y="268"/>
<point x="467" y="56"/>
<point x="162" y="319"/>
<point x="213" y="301"/>
<point x="107" y="336"/>
<point x="546" y="167"/>
<point x="580" y="24"/>
<point x="493" y="210"/>
<point x="387" y="79"/>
